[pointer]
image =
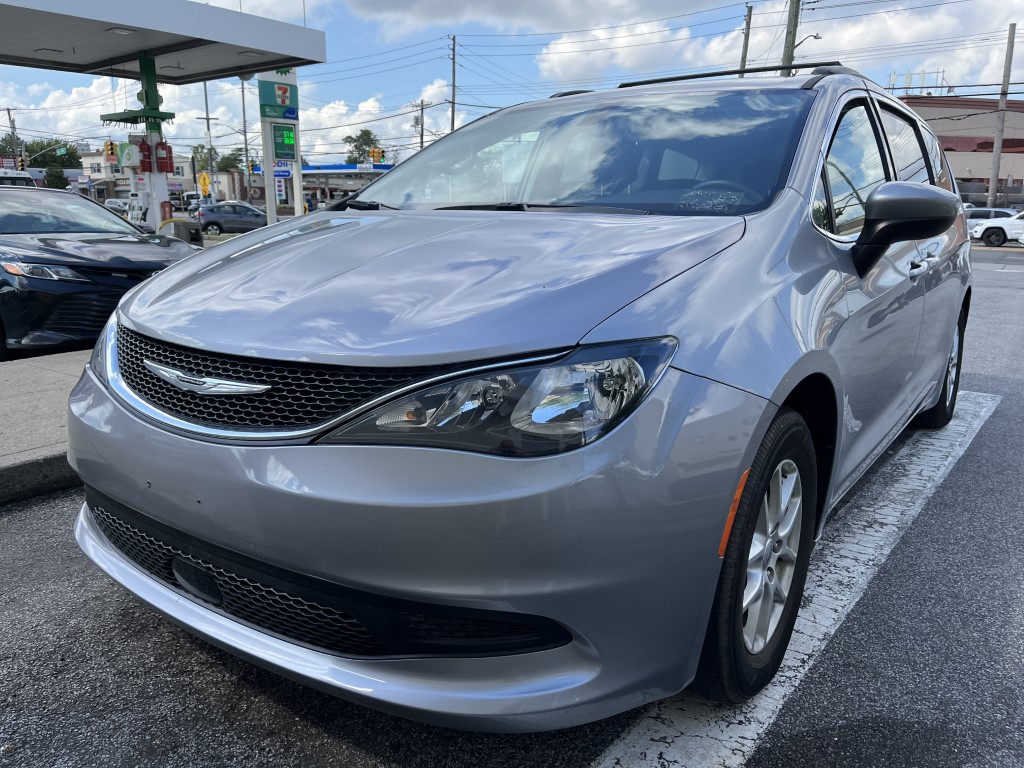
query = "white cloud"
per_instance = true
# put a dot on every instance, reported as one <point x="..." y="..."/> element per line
<point x="400" y="17"/>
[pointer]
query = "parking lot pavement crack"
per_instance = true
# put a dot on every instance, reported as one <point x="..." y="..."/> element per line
<point x="855" y="543"/>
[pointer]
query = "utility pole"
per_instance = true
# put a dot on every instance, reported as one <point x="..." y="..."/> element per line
<point x="997" y="147"/>
<point x="453" y="82"/>
<point x="792" y="22"/>
<point x="245" y="140"/>
<point x="746" y="38"/>
<point x="209" y="144"/>
<point x="422" y="104"/>
<point x="19" y="146"/>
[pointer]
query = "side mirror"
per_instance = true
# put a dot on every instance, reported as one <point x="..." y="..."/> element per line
<point x="901" y="210"/>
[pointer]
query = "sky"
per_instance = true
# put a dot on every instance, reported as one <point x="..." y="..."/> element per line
<point x="385" y="56"/>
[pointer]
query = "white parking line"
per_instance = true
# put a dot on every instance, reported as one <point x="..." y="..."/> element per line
<point x="688" y="731"/>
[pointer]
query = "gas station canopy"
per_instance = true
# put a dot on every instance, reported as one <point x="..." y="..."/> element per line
<point x="189" y="41"/>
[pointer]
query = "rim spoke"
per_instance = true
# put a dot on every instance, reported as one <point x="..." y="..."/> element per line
<point x="764" y="617"/>
<point x="755" y="585"/>
<point x="757" y="548"/>
<point x="774" y="500"/>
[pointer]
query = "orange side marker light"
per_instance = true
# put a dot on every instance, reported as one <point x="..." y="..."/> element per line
<point x="732" y="514"/>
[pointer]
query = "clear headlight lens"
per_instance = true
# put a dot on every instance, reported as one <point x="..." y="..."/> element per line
<point x="101" y="352"/>
<point x="43" y="271"/>
<point x="528" y="411"/>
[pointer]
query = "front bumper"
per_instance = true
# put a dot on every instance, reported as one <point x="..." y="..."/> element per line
<point x="38" y="314"/>
<point x="616" y="542"/>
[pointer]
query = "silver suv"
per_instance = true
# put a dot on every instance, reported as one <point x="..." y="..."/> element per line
<point x="542" y="425"/>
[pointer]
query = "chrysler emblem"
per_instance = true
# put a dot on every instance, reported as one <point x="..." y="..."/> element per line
<point x="204" y="385"/>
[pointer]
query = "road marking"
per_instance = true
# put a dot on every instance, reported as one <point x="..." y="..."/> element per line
<point x="689" y="731"/>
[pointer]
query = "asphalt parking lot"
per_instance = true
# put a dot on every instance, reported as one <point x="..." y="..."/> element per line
<point x="915" y="660"/>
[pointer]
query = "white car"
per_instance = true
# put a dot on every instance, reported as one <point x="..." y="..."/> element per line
<point x="116" y="205"/>
<point x="997" y="231"/>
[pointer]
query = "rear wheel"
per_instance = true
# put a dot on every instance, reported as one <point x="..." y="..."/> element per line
<point x="765" y="566"/>
<point x="994" y="237"/>
<point x="940" y="414"/>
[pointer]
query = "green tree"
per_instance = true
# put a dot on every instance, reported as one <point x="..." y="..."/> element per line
<point x="359" y="146"/>
<point x="204" y="156"/>
<point x="232" y="161"/>
<point x="54" y="178"/>
<point x="44" y="154"/>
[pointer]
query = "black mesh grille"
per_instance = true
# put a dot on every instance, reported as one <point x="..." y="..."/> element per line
<point x="82" y="315"/>
<point x="301" y="395"/>
<point x="255" y="603"/>
<point x="312" y="612"/>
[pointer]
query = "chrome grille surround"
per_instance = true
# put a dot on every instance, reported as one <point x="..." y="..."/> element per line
<point x="114" y="379"/>
<point x="301" y="395"/>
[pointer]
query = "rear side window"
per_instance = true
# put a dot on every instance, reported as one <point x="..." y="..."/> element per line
<point x="979" y="214"/>
<point x="1001" y="214"/>
<point x="906" y="148"/>
<point x="940" y="171"/>
<point x="853" y="168"/>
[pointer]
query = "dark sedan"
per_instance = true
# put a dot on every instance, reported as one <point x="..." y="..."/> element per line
<point x="231" y="217"/>
<point x="65" y="262"/>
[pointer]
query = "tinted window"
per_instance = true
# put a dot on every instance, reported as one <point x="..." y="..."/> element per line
<point x="1000" y="215"/>
<point x="819" y="206"/>
<point x="906" y="148"/>
<point x="681" y="154"/>
<point x="853" y="167"/>
<point x="979" y="214"/>
<point x="940" y="171"/>
<point x="28" y="213"/>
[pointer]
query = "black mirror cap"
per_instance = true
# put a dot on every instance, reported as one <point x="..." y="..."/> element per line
<point x="898" y="211"/>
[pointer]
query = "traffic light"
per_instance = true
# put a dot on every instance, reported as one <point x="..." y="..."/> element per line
<point x="21" y="163"/>
<point x="250" y="167"/>
<point x="376" y="154"/>
<point x="109" y="147"/>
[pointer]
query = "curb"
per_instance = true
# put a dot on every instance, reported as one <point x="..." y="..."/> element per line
<point x="36" y="477"/>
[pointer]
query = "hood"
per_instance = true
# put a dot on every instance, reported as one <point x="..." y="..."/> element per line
<point x="419" y="287"/>
<point x="92" y="249"/>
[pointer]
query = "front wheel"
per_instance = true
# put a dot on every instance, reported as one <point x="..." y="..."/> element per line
<point x="762" y="578"/>
<point x="994" y="237"/>
<point x="940" y="414"/>
<point x="212" y="229"/>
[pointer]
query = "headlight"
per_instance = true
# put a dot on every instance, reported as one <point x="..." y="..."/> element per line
<point x="528" y="411"/>
<point x="101" y="352"/>
<point x="43" y="271"/>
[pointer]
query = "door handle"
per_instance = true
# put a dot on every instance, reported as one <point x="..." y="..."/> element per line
<point x="918" y="268"/>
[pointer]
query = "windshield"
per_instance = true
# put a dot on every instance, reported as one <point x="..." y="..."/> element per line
<point x="719" y="153"/>
<point x="47" y="212"/>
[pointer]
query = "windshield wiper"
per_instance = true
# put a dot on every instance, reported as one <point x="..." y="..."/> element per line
<point x="579" y="208"/>
<point x="364" y="205"/>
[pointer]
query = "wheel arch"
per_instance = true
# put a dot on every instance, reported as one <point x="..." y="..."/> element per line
<point x="814" y="395"/>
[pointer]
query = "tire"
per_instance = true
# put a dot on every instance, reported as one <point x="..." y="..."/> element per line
<point x="994" y="237"/>
<point x="741" y="655"/>
<point x="212" y="229"/>
<point x="940" y="414"/>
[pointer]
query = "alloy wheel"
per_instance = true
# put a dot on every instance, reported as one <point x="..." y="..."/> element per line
<point x="953" y="366"/>
<point x="771" y="561"/>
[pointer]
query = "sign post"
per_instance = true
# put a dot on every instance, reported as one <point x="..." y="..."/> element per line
<point x="279" y="123"/>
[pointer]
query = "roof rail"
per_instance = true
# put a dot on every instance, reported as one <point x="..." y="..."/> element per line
<point x="723" y="72"/>
<point x="560" y="94"/>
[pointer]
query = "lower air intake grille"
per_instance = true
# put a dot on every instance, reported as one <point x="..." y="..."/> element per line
<point x="313" y="612"/>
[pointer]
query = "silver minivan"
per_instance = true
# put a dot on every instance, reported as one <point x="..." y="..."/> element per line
<point x="543" y="424"/>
